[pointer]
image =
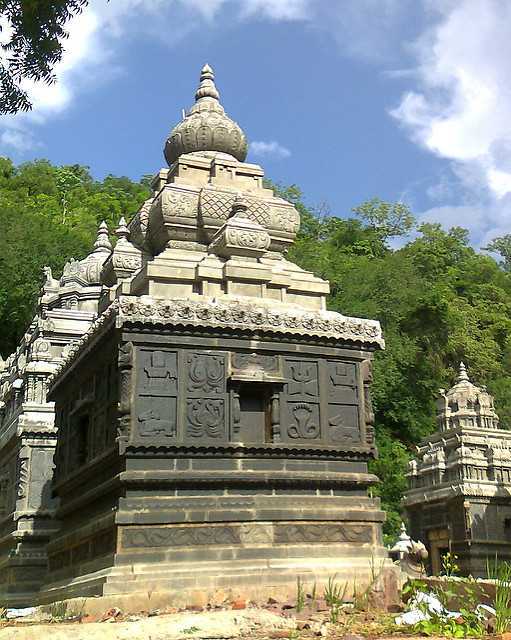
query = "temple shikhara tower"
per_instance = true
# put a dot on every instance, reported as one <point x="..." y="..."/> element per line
<point x="460" y="488"/>
<point x="213" y="424"/>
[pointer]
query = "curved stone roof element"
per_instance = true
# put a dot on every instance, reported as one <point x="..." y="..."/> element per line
<point x="88" y="270"/>
<point x="466" y="405"/>
<point x="206" y="127"/>
<point x="124" y="260"/>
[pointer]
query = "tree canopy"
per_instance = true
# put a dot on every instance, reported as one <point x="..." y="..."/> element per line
<point x="36" y="33"/>
<point x="438" y="299"/>
<point x="48" y="215"/>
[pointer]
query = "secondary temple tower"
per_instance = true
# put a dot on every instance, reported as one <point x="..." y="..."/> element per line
<point x="65" y="310"/>
<point x="459" y="498"/>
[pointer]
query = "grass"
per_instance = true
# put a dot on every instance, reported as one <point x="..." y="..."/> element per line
<point x="300" y="595"/>
<point x="60" y="610"/>
<point x="500" y="572"/>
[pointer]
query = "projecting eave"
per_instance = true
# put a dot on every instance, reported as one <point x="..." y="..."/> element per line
<point x="235" y="314"/>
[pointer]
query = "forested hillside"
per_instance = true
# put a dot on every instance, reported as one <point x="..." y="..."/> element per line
<point x="439" y="301"/>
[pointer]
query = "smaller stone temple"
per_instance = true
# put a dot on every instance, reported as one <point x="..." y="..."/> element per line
<point x="459" y="498"/>
<point x="65" y="310"/>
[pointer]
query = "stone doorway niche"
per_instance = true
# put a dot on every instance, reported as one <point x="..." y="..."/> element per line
<point x="439" y="545"/>
<point x="255" y="402"/>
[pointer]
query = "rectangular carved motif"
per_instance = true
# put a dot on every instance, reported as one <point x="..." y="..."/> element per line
<point x="302" y="421"/>
<point x="157" y="417"/>
<point x="141" y="537"/>
<point x="302" y="378"/>
<point x="205" y="418"/>
<point x="206" y="373"/>
<point x="343" y="424"/>
<point x="342" y="382"/>
<point x="157" y="373"/>
<point x="310" y="533"/>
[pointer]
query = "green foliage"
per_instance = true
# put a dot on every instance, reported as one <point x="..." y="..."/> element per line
<point x="502" y="246"/>
<point x="35" y="35"/>
<point x="439" y="302"/>
<point x="467" y="594"/>
<point x="449" y="566"/>
<point x="389" y="219"/>
<point x="500" y="572"/>
<point x="300" y="595"/>
<point x="49" y="214"/>
<point x="334" y="595"/>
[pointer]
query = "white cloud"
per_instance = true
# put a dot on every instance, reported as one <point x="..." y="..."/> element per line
<point x="17" y="139"/>
<point x="92" y="42"/>
<point x="269" y="149"/>
<point x="278" y="9"/>
<point x="460" y="108"/>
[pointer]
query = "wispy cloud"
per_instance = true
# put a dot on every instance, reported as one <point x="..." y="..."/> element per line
<point x="278" y="9"/>
<point x="93" y="36"/>
<point x="269" y="149"/>
<point x="457" y="105"/>
<point x="460" y="107"/>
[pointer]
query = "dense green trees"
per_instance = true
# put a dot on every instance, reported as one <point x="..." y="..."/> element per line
<point x="438" y="299"/>
<point x="49" y="214"/>
<point x="439" y="302"/>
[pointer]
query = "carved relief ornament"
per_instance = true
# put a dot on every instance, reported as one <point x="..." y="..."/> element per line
<point x="232" y="315"/>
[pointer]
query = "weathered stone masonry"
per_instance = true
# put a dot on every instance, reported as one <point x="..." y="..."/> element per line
<point x="214" y="422"/>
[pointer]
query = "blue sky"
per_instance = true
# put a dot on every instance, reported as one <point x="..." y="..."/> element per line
<point x="349" y="99"/>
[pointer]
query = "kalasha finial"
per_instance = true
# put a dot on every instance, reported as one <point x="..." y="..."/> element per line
<point x="207" y="87"/>
<point x="122" y="232"/>
<point x="462" y="374"/>
<point x="102" y="241"/>
<point x="206" y="128"/>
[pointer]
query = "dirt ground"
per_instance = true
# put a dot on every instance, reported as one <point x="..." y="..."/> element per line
<point x="250" y="622"/>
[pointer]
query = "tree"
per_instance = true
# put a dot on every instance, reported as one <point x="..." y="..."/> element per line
<point x="502" y="246"/>
<point x="36" y="31"/>
<point x="389" y="219"/>
<point x="48" y="215"/>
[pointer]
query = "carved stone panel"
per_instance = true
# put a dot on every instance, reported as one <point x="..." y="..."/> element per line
<point x="300" y="408"/>
<point x="313" y="533"/>
<point x="257" y="367"/>
<point x="157" y="417"/>
<point x="206" y="373"/>
<point x="158" y="373"/>
<point x="205" y="418"/>
<point x="156" y="414"/>
<point x="342" y="382"/>
<point x="343" y="424"/>
<point x="302" y="377"/>
<point x="41" y="464"/>
<point x="302" y="421"/>
<point x="141" y="537"/>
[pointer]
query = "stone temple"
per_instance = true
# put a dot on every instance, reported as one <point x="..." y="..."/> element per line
<point x="211" y="419"/>
<point x="459" y="498"/>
